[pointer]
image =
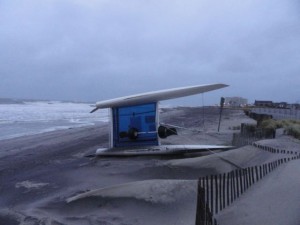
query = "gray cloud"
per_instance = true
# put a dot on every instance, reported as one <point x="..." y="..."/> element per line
<point x="93" y="50"/>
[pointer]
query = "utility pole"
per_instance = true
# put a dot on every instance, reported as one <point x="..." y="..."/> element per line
<point x="221" y="109"/>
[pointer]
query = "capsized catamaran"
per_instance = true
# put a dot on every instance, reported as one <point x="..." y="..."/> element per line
<point x="135" y="128"/>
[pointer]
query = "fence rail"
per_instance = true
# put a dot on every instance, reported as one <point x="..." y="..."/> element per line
<point x="278" y="113"/>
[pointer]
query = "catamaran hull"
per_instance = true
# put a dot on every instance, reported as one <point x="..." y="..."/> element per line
<point x="160" y="150"/>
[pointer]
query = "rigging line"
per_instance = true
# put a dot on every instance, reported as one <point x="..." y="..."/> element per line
<point x="225" y="160"/>
<point x="203" y="112"/>
<point x="217" y="154"/>
<point x="179" y="127"/>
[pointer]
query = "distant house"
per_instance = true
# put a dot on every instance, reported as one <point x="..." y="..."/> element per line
<point x="236" y="101"/>
<point x="260" y="103"/>
<point x="282" y="105"/>
<point x="295" y="106"/>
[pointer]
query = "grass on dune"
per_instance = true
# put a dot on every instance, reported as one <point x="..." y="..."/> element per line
<point x="291" y="127"/>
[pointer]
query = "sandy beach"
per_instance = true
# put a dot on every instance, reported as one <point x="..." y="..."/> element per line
<point x="46" y="178"/>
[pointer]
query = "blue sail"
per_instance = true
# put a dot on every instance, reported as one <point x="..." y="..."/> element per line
<point x="135" y="125"/>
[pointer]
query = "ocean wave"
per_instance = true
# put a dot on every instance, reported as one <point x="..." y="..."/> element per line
<point x="40" y="117"/>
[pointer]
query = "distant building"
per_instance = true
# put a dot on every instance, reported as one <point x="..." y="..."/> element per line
<point x="278" y="105"/>
<point x="263" y="103"/>
<point x="282" y="105"/>
<point x="236" y="101"/>
<point x="295" y="106"/>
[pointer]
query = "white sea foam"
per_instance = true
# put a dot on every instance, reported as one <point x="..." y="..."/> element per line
<point x="30" y="184"/>
<point x="38" y="117"/>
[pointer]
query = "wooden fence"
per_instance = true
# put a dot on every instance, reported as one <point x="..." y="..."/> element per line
<point x="275" y="150"/>
<point x="216" y="192"/>
<point x="239" y="140"/>
<point x="250" y="134"/>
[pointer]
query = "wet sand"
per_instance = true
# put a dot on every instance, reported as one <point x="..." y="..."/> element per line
<point x="39" y="173"/>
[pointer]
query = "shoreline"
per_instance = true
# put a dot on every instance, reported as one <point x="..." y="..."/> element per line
<point x="54" y="138"/>
<point x="48" y="130"/>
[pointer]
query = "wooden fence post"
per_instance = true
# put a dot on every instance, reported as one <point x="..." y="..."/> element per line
<point x="241" y="181"/>
<point x="201" y="206"/>
<point x="256" y="173"/>
<point x="245" y="180"/>
<point x="212" y="194"/>
<point x="237" y="183"/>
<point x="231" y="187"/>
<point x="233" y="184"/>
<point x="217" y="196"/>
<point x="249" y="177"/>
<point x="227" y="189"/>
<point x="252" y="174"/>
<point x="260" y="172"/>
<point x="220" y="192"/>
<point x="207" y="190"/>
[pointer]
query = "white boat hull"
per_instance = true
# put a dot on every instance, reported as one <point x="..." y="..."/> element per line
<point x="159" y="150"/>
<point x="156" y="96"/>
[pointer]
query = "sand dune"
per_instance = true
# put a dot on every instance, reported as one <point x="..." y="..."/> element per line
<point x="154" y="191"/>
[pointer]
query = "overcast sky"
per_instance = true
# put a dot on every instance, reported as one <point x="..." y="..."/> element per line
<point x="92" y="50"/>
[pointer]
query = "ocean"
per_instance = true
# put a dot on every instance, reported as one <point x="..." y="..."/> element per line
<point x="19" y="118"/>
